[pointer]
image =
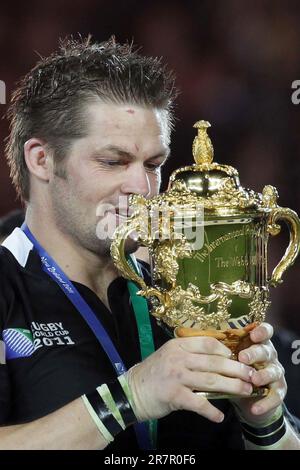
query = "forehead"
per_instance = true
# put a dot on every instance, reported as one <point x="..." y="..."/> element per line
<point x="107" y="121"/>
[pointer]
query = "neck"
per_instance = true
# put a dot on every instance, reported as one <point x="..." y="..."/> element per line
<point x="78" y="263"/>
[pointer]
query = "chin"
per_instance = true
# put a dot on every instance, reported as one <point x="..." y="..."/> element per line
<point x="102" y="248"/>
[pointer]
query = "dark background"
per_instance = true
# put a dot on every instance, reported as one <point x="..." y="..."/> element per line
<point x="235" y="62"/>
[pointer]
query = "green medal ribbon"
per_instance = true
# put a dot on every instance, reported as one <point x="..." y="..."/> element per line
<point x="142" y="317"/>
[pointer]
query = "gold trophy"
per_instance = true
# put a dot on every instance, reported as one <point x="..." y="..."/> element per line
<point x="207" y="238"/>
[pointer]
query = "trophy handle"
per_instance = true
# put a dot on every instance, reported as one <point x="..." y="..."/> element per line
<point x="125" y="265"/>
<point x="293" y="223"/>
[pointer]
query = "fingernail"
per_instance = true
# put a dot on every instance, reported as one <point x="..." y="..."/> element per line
<point x="251" y="372"/>
<point x="258" y="336"/>
<point x="257" y="380"/>
<point x="247" y="388"/>
<point x="219" y="418"/>
<point x="257" y="410"/>
<point x="245" y="357"/>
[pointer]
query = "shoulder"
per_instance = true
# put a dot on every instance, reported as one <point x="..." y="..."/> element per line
<point x="7" y="265"/>
<point x="18" y="245"/>
<point x="14" y="254"/>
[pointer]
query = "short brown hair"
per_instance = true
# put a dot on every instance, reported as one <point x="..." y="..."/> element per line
<point x="48" y="103"/>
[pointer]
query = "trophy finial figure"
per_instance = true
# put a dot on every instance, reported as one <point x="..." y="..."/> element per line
<point x="203" y="150"/>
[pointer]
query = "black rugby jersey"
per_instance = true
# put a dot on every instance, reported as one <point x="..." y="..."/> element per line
<point x="51" y="357"/>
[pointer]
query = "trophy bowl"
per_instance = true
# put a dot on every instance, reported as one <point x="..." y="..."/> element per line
<point x="207" y="238"/>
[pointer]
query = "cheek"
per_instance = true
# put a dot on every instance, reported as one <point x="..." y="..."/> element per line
<point x="89" y="189"/>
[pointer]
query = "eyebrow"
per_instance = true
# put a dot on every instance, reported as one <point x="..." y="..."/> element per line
<point x="124" y="153"/>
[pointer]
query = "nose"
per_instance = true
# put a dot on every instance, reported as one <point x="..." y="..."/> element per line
<point x="137" y="181"/>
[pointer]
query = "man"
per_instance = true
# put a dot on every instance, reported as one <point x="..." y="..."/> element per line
<point x="90" y="125"/>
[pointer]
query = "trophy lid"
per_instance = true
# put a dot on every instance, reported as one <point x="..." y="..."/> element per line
<point x="217" y="187"/>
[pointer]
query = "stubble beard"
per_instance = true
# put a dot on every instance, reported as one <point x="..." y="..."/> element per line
<point x="71" y="219"/>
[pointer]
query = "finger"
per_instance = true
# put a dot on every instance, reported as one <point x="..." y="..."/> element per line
<point x="187" y="400"/>
<point x="271" y="373"/>
<point x="211" y="382"/>
<point x="219" y="365"/>
<point x="258" y="353"/>
<point x="274" y="398"/>
<point x="261" y="333"/>
<point x="203" y="345"/>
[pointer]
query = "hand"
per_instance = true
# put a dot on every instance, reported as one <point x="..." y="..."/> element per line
<point x="257" y="410"/>
<point x="165" y="381"/>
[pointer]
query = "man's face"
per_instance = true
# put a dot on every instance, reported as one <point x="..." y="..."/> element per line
<point x="122" y="154"/>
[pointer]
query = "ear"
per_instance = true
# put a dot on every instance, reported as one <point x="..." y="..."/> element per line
<point x="38" y="160"/>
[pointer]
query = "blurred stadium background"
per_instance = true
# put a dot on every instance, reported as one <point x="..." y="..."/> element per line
<point x="235" y="62"/>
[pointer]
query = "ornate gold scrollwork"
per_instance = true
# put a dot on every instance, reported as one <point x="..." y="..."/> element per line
<point x="276" y="213"/>
<point x="178" y="306"/>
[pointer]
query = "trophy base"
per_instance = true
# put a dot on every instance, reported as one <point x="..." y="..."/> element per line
<point x="236" y="340"/>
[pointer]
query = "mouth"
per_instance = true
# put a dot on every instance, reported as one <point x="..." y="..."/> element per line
<point x="119" y="211"/>
<point x="123" y="213"/>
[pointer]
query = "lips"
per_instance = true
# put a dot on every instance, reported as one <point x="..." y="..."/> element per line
<point x="125" y="212"/>
<point x="120" y="211"/>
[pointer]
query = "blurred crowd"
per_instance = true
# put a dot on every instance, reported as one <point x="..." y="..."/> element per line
<point x="235" y="61"/>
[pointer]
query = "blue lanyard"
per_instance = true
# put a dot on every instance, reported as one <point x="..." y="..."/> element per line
<point x="54" y="271"/>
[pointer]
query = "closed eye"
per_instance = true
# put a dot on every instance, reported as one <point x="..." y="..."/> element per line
<point x="153" y="166"/>
<point x="112" y="162"/>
